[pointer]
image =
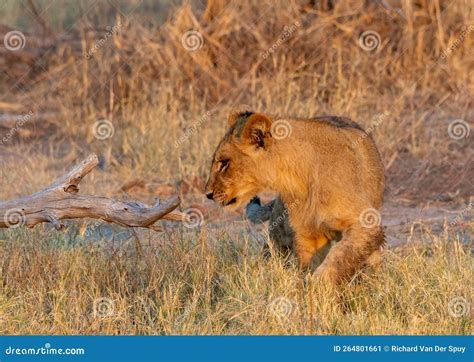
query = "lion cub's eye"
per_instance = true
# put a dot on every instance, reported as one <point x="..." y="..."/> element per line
<point x="223" y="164"/>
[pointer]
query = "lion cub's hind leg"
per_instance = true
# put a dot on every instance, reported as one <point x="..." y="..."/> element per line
<point x="357" y="247"/>
<point x="311" y="250"/>
<point x="318" y="258"/>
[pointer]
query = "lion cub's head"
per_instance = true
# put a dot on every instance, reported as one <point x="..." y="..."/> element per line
<point x="240" y="159"/>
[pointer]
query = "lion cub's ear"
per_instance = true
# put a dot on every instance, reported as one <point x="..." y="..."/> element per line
<point x="257" y="130"/>
<point x="237" y="113"/>
<point x="232" y="118"/>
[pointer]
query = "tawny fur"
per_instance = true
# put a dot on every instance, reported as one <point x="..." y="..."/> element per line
<point x="327" y="166"/>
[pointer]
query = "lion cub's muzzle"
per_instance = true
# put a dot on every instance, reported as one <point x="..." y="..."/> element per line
<point x="220" y="198"/>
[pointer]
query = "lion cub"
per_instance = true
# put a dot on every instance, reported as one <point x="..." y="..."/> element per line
<point x="327" y="166"/>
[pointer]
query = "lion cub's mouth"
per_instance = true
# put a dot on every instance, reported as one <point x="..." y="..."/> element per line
<point x="230" y="202"/>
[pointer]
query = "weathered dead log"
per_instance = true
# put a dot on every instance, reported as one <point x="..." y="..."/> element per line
<point x="61" y="201"/>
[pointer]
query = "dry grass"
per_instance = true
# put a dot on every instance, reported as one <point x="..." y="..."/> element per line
<point x="201" y="285"/>
<point x="154" y="91"/>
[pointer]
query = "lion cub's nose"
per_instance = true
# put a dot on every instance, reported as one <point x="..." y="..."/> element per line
<point x="210" y="195"/>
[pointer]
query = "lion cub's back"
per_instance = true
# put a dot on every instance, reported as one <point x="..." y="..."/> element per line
<point x="351" y="152"/>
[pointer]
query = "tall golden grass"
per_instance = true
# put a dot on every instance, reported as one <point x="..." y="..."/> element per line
<point x="201" y="285"/>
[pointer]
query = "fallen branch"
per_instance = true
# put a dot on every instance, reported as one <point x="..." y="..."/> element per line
<point x="61" y="201"/>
